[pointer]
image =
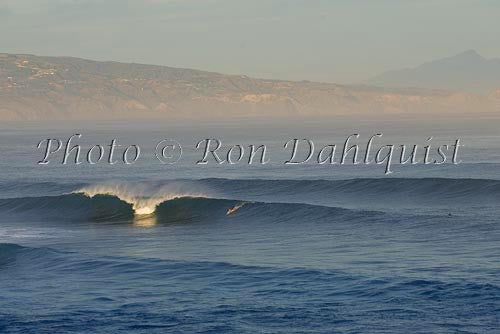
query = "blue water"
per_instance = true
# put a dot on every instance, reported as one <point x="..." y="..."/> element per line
<point x="247" y="249"/>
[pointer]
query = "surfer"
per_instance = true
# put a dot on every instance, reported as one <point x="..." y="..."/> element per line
<point x="232" y="210"/>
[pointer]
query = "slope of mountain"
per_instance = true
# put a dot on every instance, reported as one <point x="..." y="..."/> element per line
<point x="45" y="88"/>
<point x="467" y="71"/>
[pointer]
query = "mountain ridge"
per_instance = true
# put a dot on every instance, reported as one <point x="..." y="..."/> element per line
<point x="466" y="71"/>
<point x="44" y="88"/>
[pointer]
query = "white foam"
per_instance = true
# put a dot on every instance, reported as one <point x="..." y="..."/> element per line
<point x="143" y="199"/>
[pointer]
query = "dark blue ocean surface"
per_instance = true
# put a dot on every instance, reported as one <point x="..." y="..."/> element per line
<point x="46" y="291"/>
<point x="146" y="249"/>
<point x="230" y="263"/>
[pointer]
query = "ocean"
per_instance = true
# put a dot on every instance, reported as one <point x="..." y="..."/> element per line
<point x="219" y="248"/>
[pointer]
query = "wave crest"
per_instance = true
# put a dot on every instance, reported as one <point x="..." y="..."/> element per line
<point x="143" y="200"/>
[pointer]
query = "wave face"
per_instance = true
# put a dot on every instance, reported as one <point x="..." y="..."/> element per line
<point x="101" y="208"/>
<point x="427" y="191"/>
<point x="79" y="207"/>
<point x="211" y="197"/>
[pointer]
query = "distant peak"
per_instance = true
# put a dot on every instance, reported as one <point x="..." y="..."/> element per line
<point x="465" y="71"/>
<point x="470" y="54"/>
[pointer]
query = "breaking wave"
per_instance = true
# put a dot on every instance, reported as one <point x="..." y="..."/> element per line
<point x="108" y="206"/>
<point x="297" y="200"/>
<point x="142" y="202"/>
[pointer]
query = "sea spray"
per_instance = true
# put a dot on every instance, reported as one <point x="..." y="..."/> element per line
<point x="143" y="199"/>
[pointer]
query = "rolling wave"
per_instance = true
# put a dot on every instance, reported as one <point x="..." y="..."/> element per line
<point x="302" y="199"/>
<point x="105" y="207"/>
<point x="336" y="282"/>
<point x="131" y="290"/>
<point x="432" y="191"/>
<point x="146" y="195"/>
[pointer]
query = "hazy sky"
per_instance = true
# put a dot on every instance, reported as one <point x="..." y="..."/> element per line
<point x="323" y="40"/>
